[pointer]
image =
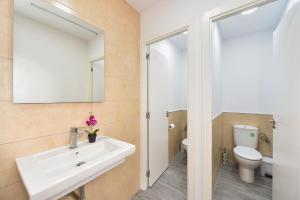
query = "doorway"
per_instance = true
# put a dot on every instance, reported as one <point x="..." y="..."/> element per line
<point x="249" y="66"/>
<point x="167" y="117"/>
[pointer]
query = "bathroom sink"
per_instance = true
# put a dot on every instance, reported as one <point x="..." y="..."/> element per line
<point x="53" y="174"/>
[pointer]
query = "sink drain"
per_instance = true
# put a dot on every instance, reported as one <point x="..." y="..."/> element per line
<point x="80" y="163"/>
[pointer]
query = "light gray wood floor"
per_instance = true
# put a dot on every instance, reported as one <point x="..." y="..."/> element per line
<point x="229" y="186"/>
<point x="172" y="185"/>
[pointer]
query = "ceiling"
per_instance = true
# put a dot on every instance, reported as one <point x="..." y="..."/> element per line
<point x="141" y="5"/>
<point x="265" y="18"/>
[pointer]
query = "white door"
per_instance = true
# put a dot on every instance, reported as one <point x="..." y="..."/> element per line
<point x="286" y="172"/>
<point x="158" y="122"/>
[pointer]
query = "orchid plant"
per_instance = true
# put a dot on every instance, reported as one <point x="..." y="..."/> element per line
<point x="91" y="122"/>
<point x="225" y="156"/>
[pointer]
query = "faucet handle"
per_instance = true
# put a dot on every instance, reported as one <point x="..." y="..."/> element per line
<point x="75" y="130"/>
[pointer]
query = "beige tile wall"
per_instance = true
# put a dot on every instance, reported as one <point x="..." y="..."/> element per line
<point x="217" y="145"/>
<point x="222" y="133"/>
<point x="27" y="129"/>
<point x="177" y="134"/>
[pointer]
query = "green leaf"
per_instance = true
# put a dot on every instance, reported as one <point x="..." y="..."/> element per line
<point x="95" y="131"/>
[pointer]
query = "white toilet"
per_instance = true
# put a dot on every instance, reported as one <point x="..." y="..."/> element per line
<point x="184" y="144"/>
<point x="246" y="141"/>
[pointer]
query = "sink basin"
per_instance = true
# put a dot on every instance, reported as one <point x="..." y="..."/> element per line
<point x="53" y="174"/>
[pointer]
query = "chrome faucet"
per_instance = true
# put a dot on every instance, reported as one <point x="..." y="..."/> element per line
<point x="74" y="133"/>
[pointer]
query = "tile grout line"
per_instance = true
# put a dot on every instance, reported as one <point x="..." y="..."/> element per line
<point x="33" y="138"/>
<point x="6" y="58"/>
<point x="42" y="136"/>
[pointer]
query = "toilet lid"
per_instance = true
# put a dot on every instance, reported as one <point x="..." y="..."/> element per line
<point x="185" y="142"/>
<point x="247" y="153"/>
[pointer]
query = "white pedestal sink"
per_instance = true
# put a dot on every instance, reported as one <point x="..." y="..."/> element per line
<point x="53" y="174"/>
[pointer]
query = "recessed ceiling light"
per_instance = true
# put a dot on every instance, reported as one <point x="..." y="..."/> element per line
<point x="247" y="12"/>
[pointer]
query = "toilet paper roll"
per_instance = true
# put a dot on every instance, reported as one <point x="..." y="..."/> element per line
<point x="171" y="126"/>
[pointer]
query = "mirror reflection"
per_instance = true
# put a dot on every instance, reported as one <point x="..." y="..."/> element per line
<point x="56" y="56"/>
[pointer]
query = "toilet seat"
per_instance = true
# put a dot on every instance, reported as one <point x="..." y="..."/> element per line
<point x="247" y="153"/>
<point x="185" y="142"/>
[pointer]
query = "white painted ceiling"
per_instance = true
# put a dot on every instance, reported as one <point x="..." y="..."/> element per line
<point x="141" y="5"/>
<point x="265" y="18"/>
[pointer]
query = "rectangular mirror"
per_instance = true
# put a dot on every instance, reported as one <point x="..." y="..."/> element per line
<point x="56" y="56"/>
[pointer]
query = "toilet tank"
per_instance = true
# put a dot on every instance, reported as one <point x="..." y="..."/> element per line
<point x="245" y="136"/>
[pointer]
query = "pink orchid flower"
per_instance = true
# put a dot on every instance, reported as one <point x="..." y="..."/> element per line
<point x="91" y="122"/>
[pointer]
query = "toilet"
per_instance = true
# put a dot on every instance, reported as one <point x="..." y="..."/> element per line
<point x="245" y="153"/>
<point x="184" y="144"/>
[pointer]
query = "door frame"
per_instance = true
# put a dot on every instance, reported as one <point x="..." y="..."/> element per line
<point x="207" y="65"/>
<point x="145" y="108"/>
<point x="199" y="116"/>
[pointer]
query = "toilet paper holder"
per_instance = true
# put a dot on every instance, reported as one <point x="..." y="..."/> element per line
<point x="171" y="126"/>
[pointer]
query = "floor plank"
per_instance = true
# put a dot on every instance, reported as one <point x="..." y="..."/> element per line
<point x="172" y="185"/>
<point x="229" y="186"/>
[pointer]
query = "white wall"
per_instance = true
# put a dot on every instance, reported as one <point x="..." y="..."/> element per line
<point x="247" y="74"/>
<point x="160" y="19"/>
<point x="217" y="72"/>
<point x="177" y="74"/>
<point x="183" y="74"/>
<point x="166" y="16"/>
